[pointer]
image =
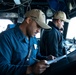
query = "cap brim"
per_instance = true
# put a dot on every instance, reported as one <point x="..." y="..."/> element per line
<point x="67" y="20"/>
<point x="43" y="25"/>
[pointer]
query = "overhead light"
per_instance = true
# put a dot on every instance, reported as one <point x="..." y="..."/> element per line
<point x="17" y="2"/>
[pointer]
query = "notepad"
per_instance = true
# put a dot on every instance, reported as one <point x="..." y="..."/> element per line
<point x="55" y="60"/>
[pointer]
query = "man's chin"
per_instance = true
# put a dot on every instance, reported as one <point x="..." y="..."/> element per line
<point x="32" y="35"/>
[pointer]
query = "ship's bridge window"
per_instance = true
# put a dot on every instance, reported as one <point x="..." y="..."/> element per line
<point x="71" y="32"/>
<point x="71" y="36"/>
<point x="4" y="23"/>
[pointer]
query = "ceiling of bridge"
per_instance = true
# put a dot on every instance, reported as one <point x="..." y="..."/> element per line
<point x="20" y="6"/>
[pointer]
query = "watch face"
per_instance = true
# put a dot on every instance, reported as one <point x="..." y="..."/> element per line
<point x="49" y="13"/>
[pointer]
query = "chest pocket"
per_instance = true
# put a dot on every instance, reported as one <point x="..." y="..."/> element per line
<point x="32" y="51"/>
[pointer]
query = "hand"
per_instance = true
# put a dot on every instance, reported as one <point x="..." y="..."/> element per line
<point x="50" y="57"/>
<point x="39" y="67"/>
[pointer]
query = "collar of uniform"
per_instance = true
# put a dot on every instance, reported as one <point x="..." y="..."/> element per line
<point x="52" y="25"/>
<point x="20" y="35"/>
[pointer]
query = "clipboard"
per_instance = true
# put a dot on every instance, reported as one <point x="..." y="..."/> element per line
<point x="55" y="60"/>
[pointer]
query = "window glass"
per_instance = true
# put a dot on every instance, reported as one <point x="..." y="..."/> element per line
<point x="48" y="20"/>
<point x="71" y="32"/>
<point x="4" y="23"/>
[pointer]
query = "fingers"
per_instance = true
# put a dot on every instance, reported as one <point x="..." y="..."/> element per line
<point x="41" y="70"/>
<point x="53" y="57"/>
<point x="50" y="57"/>
<point x="40" y="67"/>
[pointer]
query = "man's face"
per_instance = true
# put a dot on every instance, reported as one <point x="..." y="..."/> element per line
<point x="33" y="28"/>
<point x="60" y="24"/>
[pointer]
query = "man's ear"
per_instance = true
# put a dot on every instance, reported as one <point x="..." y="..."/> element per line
<point x="28" y="20"/>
